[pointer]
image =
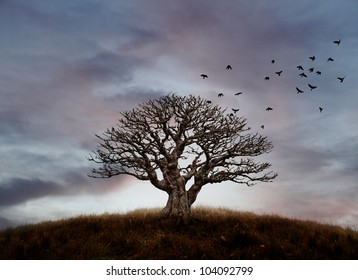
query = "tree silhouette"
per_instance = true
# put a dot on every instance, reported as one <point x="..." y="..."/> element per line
<point x="176" y="141"/>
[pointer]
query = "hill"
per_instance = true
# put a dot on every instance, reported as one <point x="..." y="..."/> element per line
<point x="213" y="234"/>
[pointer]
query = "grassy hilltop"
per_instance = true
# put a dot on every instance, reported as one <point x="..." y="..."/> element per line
<point x="213" y="234"/>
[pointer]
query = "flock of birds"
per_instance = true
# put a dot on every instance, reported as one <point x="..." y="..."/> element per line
<point x="302" y="74"/>
<point x="311" y="70"/>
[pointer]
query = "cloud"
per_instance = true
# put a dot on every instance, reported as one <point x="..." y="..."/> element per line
<point x="70" y="183"/>
<point x="20" y="190"/>
<point x="103" y="67"/>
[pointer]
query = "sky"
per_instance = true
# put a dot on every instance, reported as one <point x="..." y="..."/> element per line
<point x="69" y="67"/>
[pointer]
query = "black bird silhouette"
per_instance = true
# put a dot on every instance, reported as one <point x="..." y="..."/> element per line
<point x="312" y="87"/>
<point x="269" y="109"/>
<point x="341" y="79"/>
<point x="330" y="59"/>
<point x="299" y="90"/>
<point x="208" y="101"/>
<point x="228" y="67"/>
<point x="262" y="126"/>
<point x="279" y="73"/>
<point x="303" y="75"/>
<point x="320" y="109"/>
<point x="235" y="110"/>
<point x="238" y="93"/>
<point x="318" y="72"/>
<point x="267" y="78"/>
<point x="312" y="58"/>
<point x="300" y="67"/>
<point x="311" y="70"/>
<point x="204" y="76"/>
<point x="220" y="94"/>
<point x="337" y="42"/>
<point x="272" y="61"/>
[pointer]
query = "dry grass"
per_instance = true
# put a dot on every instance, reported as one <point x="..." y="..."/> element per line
<point x="213" y="234"/>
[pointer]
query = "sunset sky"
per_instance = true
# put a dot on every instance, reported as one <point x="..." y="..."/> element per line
<point x="69" y="67"/>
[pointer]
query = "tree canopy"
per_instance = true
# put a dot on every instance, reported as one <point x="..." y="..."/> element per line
<point x="177" y="139"/>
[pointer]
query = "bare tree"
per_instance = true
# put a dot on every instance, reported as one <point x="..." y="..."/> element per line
<point x="176" y="141"/>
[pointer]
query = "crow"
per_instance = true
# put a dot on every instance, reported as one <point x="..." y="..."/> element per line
<point x="204" y="76"/>
<point x="269" y="109"/>
<point x="267" y="78"/>
<point x="341" y="79"/>
<point x="312" y="58"/>
<point x="318" y="72"/>
<point x="208" y="101"/>
<point x="337" y="42"/>
<point x="220" y="94"/>
<point x="235" y="110"/>
<point x="228" y="67"/>
<point x="330" y="59"/>
<point x="300" y="67"/>
<point x="272" y="61"/>
<point x="311" y="70"/>
<point x="238" y="93"/>
<point x="303" y="75"/>
<point x="299" y="90"/>
<point x="279" y="73"/>
<point x="312" y="87"/>
<point x="262" y="126"/>
<point x="320" y="109"/>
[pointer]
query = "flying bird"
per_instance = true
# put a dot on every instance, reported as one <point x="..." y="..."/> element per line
<point x="299" y="90"/>
<point x="228" y="67"/>
<point x="269" y="109"/>
<point x="337" y="42"/>
<point x="318" y="72"/>
<point x="235" y="110"/>
<point x="267" y="78"/>
<point x="341" y="79"/>
<point x="300" y="67"/>
<point x="320" y="109"/>
<point x="312" y="58"/>
<point x="204" y="76"/>
<point x="311" y="70"/>
<point x="262" y="126"/>
<point x="330" y="59"/>
<point x="303" y="75"/>
<point x="279" y="73"/>
<point x="238" y="93"/>
<point x="220" y="94"/>
<point x="312" y="87"/>
<point x="272" y="61"/>
<point x="208" y="101"/>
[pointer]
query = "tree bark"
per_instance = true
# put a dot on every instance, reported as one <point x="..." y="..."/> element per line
<point x="178" y="206"/>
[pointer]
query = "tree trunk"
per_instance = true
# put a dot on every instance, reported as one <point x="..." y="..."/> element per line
<point x="178" y="206"/>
